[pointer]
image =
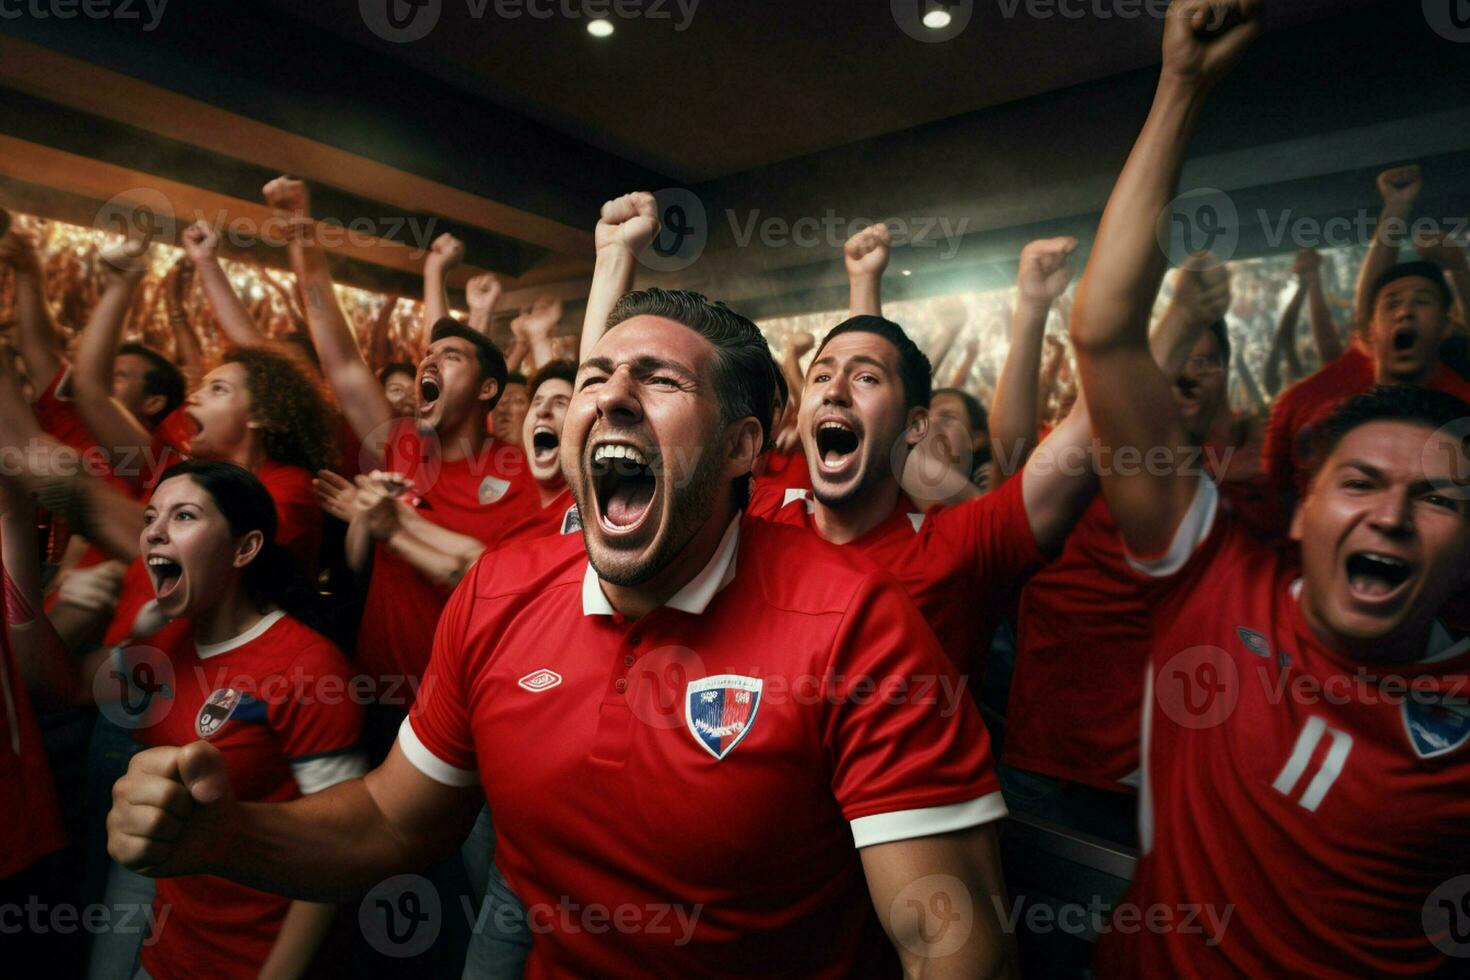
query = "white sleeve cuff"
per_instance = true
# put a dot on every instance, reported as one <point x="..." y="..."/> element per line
<point x="320" y="772"/>
<point x="1192" y="532"/>
<point x="430" y="764"/>
<point x="883" y="828"/>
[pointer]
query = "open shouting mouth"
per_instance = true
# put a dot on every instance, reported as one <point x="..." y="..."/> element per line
<point x="625" y="483"/>
<point x="838" y="440"/>
<point x="1375" y="578"/>
<point x="167" y="575"/>
<point x="429" y="392"/>
<point x="545" y="441"/>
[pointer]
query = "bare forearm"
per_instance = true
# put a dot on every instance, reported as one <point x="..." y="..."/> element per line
<point x="234" y="320"/>
<point x="1014" y="422"/>
<point x="864" y="296"/>
<point x="1382" y="255"/>
<point x="301" y="935"/>
<point x="436" y="297"/>
<point x="37" y="337"/>
<point x="612" y="278"/>
<point x="1283" y="345"/>
<point x="97" y="348"/>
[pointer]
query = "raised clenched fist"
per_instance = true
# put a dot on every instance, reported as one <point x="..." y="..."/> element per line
<point x="482" y="292"/>
<point x="1202" y="289"/>
<point x="446" y="252"/>
<point x="1401" y="185"/>
<point x="628" y="222"/>
<point x="1046" y="269"/>
<point x="170" y="810"/>
<point x="286" y="194"/>
<point x="201" y="242"/>
<point x="1203" y="39"/>
<point x="866" y="253"/>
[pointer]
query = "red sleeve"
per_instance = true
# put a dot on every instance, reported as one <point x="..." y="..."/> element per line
<point x="438" y="738"/>
<point x="910" y="757"/>
<point x="765" y="500"/>
<point x="175" y="431"/>
<point x="317" y="718"/>
<point x="298" y="517"/>
<point x="1278" y="451"/>
<point x="993" y="534"/>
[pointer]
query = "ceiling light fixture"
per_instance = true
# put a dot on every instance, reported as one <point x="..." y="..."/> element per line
<point x="937" y="19"/>
<point x="600" y="28"/>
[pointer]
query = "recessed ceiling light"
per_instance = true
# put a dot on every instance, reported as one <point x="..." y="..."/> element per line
<point x="937" y="19"/>
<point x="908" y="272"/>
<point x="604" y="28"/>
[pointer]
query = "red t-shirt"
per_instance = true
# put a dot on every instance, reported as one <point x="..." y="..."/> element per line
<point x="784" y="470"/>
<point x="961" y="565"/>
<point x="1302" y="406"/>
<point x="30" y="819"/>
<point x="482" y="496"/>
<point x="1319" y="802"/>
<point x="722" y="753"/>
<point x="277" y="702"/>
<point x="558" y="517"/>
<point x="298" y="529"/>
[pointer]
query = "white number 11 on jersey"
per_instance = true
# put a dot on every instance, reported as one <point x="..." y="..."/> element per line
<point x="1301" y="757"/>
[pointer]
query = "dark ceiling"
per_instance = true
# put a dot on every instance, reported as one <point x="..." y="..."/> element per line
<point x="747" y="83"/>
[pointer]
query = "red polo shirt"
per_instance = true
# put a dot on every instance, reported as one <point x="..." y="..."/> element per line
<point x="702" y="776"/>
<point x="30" y="820"/>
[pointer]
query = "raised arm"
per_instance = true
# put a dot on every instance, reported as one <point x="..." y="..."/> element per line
<point x="1399" y="188"/>
<point x="482" y="293"/>
<point x="539" y="323"/>
<point x="115" y="428"/>
<point x="356" y="388"/>
<point x="1130" y="399"/>
<point x="1324" y="327"/>
<point x="865" y="255"/>
<point x="1015" y="426"/>
<point x="380" y="345"/>
<point x="1283" y="344"/>
<point x="444" y="254"/>
<point x="201" y="244"/>
<point x="187" y="349"/>
<point x="626" y="226"/>
<point x="1454" y="259"/>
<point x="36" y="335"/>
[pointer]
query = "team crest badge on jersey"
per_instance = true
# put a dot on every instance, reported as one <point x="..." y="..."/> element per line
<point x="1437" y="727"/>
<point x="540" y="680"/>
<point x="216" y="711"/>
<point x="571" y="521"/>
<point x="492" y="488"/>
<point x="1254" y="642"/>
<point x="721" y="710"/>
<point x="796" y="493"/>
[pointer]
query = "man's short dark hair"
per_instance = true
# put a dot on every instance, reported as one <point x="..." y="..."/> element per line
<point x="1414" y="270"/>
<point x="492" y="362"/>
<point x="562" y="369"/>
<point x="515" y="378"/>
<point x="1387" y="403"/>
<point x="161" y="377"/>
<point x="979" y="418"/>
<point x="783" y="392"/>
<point x="396" y="367"/>
<point x="744" y="374"/>
<point x="914" y="369"/>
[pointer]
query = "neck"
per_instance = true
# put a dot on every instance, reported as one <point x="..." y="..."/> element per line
<point x="250" y="454"/>
<point x="1381" y="376"/>
<point x="549" y="490"/>
<point x="465" y="439"/>
<point x="635" y="601"/>
<point x="853" y="519"/>
<point x="231" y="616"/>
<point x="1408" y="644"/>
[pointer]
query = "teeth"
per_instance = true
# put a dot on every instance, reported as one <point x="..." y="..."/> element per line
<point x="617" y="451"/>
<point x="543" y="428"/>
<point x="835" y="425"/>
<point x="156" y="561"/>
<point x="1385" y="560"/>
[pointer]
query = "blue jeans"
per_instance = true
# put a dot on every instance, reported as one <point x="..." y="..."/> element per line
<point x="500" y="940"/>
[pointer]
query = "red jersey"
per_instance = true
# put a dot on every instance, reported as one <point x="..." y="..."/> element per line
<point x="1303" y="405"/>
<point x="634" y="764"/>
<point x="558" y="517"/>
<point x="30" y="819"/>
<point x="784" y="470"/>
<point x="961" y="565"/>
<point x="298" y="529"/>
<point x="482" y="496"/>
<point x="1302" y="809"/>
<point x="276" y="701"/>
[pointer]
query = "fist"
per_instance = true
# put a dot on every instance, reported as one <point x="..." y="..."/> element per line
<point x="170" y="809"/>
<point x="94" y="589"/>
<point x="286" y="194"/>
<point x="1202" y="289"/>
<point x="629" y="222"/>
<point x="1307" y="263"/>
<point x="446" y="252"/>
<point x="802" y="342"/>
<point x="1203" y="39"/>
<point x="541" y="319"/>
<point x="126" y="262"/>
<point x="201" y="242"/>
<point x="1401" y="185"/>
<point x="1046" y="269"/>
<point x="866" y="253"/>
<point x="482" y="291"/>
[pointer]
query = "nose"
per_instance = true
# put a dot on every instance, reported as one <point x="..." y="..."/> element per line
<point x="154" y="533"/>
<point x="1392" y="513"/>
<point x="617" y="399"/>
<point x="837" y="391"/>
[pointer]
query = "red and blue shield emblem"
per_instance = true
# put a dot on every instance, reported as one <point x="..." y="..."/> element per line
<point x="720" y="710"/>
<point x="1437" y="726"/>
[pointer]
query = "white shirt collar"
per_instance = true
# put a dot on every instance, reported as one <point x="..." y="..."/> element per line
<point x="207" y="650"/>
<point x="696" y="594"/>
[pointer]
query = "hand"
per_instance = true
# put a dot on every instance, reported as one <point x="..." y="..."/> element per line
<point x="1307" y="265"/>
<point x="18" y="250"/>
<point x="170" y="810"/>
<point x="1437" y="247"/>
<point x="1201" y="293"/>
<point x="336" y="495"/>
<point x="446" y="252"/>
<point x="94" y="589"/>
<point x="1401" y="186"/>
<point x="541" y="319"/>
<point x="482" y="292"/>
<point x="801" y="343"/>
<point x="377" y="502"/>
<point x="287" y="195"/>
<point x="788" y="440"/>
<point x="200" y="242"/>
<point x="866" y="253"/>
<point x="628" y="222"/>
<point x="1203" y="39"/>
<point x="1046" y="269"/>
<point x="126" y="262"/>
